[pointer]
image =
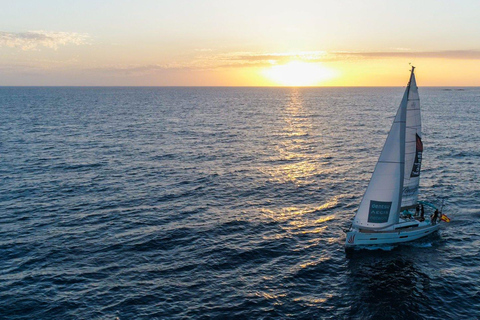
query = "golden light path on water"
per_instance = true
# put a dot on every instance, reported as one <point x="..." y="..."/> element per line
<point x="297" y="157"/>
<point x="297" y="161"/>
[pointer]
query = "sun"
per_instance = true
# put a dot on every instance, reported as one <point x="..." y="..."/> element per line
<point x="298" y="74"/>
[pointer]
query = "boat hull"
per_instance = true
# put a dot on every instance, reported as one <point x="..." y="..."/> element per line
<point x="363" y="238"/>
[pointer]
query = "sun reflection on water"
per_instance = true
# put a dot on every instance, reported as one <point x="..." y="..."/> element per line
<point x="292" y="213"/>
<point x="297" y="158"/>
<point x="296" y="220"/>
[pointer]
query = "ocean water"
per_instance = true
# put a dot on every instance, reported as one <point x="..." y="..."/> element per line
<point x="226" y="203"/>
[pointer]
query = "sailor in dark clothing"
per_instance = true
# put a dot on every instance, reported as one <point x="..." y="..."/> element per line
<point x="422" y="214"/>
<point x="435" y="217"/>
<point x="417" y="209"/>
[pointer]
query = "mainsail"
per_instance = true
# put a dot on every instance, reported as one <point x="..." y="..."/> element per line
<point x="413" y="147"/>
<point x="381" y="203"/>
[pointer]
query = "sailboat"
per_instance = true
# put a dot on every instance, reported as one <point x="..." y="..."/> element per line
<point x="389" y="211"/>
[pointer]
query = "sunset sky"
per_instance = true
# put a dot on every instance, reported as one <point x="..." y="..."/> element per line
<point x="239" y="43"/>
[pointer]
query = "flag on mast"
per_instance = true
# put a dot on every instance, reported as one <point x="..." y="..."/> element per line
<point x="444" y="217"/>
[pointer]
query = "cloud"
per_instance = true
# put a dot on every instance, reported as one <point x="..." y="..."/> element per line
<point x="237" y="59"/>
<point x="136" y="69"/>
<point x="31" y="40"/>
<point x="203" y="63"/>
<point x="265" y="60"/>
<point x="206" y="60"/>
<point x="446" y="54"/>
<point x="244" y="58"/>
<point x="214" y="61"/>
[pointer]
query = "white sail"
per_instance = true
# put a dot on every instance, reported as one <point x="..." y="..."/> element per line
<point x="380" y="206"/>
<point x="394" y="184"/>
<point x="413" y="147"/>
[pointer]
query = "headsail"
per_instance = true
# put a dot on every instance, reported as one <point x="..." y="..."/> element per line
<point x="413" y="147"/>
<point x="381" y="203"/>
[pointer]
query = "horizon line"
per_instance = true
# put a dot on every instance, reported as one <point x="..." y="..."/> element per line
<point x="136" y="86"/>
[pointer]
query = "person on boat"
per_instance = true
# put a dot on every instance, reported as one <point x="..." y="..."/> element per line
<point x="422" y="214"/>
<point x="435" y="217"/>
<point x="417" y="209"/>
<point x="422" y="211"/>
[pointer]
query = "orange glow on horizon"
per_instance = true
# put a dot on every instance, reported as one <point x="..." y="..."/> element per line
<point x="298" y="74"/>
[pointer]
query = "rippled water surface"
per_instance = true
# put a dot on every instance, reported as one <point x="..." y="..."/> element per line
<point x="222" y="203"/>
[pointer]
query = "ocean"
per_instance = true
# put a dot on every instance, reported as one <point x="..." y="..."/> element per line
<point x="226" y="203"/>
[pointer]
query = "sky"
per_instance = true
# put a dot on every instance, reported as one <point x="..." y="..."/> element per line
<point x="239" y="43"/>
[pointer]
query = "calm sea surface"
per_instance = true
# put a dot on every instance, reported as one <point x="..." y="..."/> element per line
<point x="226" y="203"/>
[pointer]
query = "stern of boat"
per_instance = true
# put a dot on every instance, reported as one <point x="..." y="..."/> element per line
<point x="350" y="238"/>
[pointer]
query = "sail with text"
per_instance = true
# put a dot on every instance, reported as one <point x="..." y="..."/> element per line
<point x="380" y="206"/>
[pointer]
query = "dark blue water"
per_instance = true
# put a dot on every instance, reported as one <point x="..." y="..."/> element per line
<point x="223" y="203"/>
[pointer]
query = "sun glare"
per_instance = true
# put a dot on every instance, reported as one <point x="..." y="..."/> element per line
<point x="298" y="74"/>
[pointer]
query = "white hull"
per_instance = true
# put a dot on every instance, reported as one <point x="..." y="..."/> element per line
<point x="362" y="238"/>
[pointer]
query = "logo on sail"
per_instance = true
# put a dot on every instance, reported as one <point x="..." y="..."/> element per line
<point x="418" y="158"/>
<point x="379" y="211"/>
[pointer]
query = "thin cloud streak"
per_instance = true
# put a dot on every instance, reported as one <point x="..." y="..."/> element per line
<point x="137" y="69"/>
<point x="264" y="60"/>
<point x="32" y="40"/>
<point x="253" y="59"/>
<point x="447" y="54"/>
<point x="208" y="60"/>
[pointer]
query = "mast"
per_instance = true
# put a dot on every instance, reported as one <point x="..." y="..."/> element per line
<point x="403" y="128"/>
<point x="413" y="146"/>
<point x="410" y="81"/>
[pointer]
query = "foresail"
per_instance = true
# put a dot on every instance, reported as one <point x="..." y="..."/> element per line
<point x="380" y="205"/>
<point x="413" y="147"/>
